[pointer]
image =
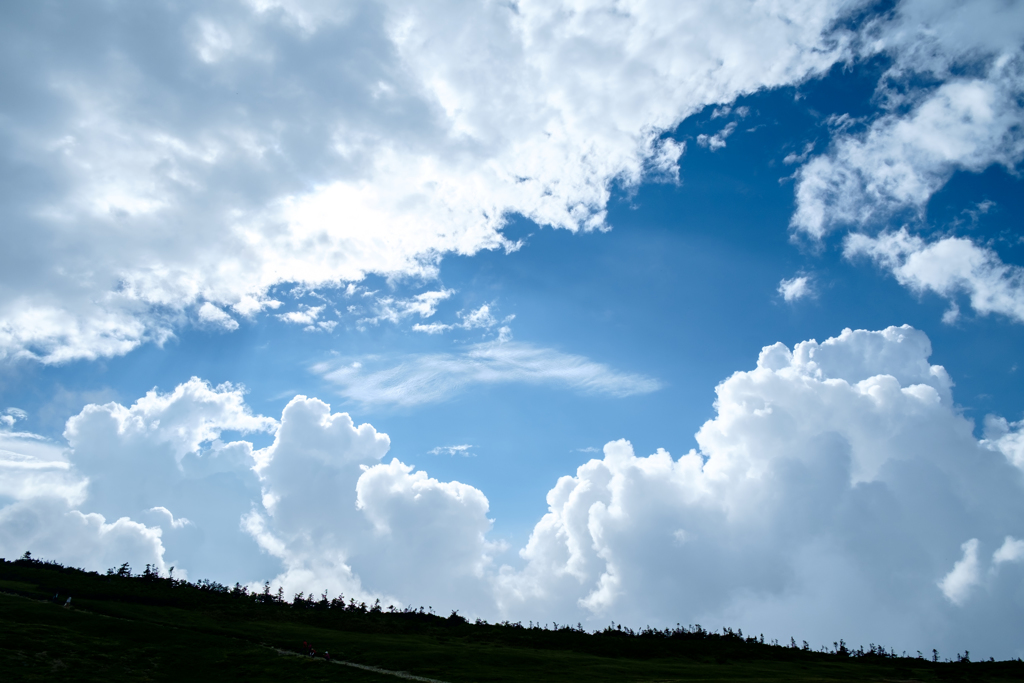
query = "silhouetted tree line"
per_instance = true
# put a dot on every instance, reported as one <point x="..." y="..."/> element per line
<point x="615" y="640"/>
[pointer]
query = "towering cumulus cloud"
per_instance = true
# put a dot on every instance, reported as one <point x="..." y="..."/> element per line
<point x="132" y="481"/>
<point x="838" y="492"/>
<point x="341" y="520"/>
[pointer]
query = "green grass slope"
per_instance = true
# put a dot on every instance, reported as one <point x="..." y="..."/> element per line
<point x="147" y="628"/>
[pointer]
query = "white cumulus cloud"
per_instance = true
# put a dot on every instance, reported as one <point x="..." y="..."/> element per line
<point x="51" y="531"/>
<point x="210" y="314"/>
<point x="965" y="123"/>
<point x="717" y="141"/>
<point x="901" y="161"/>
<point x="1006" y="438"/>
<point x="161" y="460"/>
<point x="795" y="288"/>
<point x="829" y="496"/>
<point x="394" y="310"/>
<point x="946" y="266"/>
<point x="965" y="574"/>
<point x="1012" y="550"/>
<point x="341" y="519"/>
<point x="304" y="316"/>
<point x="481" y="318"/>
<point x="10" y="416"/>
<point x="207" y="153"/>
<point x="952" y="101"/>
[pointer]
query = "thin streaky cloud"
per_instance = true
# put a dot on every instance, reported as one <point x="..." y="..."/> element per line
<point x="461" y="449"/>
<point x="417" y="379"/>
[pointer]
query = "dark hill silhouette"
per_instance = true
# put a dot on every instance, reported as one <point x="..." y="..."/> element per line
<point x="125" y="626"/>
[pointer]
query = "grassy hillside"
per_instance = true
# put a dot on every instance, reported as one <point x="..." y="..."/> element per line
<point x="147" y="628"/>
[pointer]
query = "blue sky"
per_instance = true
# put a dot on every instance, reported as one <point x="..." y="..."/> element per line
<point x="594" y="230"/>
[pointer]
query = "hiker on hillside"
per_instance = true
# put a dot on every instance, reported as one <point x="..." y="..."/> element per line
<point x="67" y="605"/>
<point x="327" y="655"/>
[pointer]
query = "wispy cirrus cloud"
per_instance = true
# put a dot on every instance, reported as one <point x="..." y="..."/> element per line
<point x="416" y="379"/>
<point x="461" y="449"/>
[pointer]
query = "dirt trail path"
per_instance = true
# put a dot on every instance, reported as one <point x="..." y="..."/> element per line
<point x="365" y="667"/>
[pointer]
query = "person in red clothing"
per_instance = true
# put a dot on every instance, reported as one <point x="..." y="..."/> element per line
<point x="327" y="655"/>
